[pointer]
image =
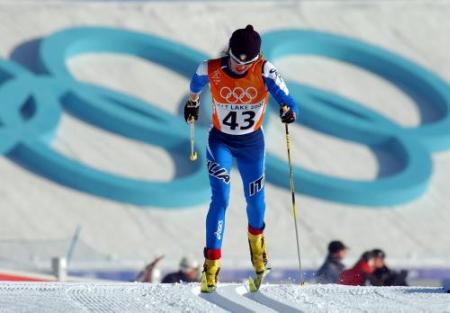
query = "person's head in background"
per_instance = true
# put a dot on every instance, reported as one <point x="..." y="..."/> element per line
<point x="337" y="250"/>
<point x="190" y="267"/>
<point x="379" y="257"/>
<point x="369" y="258"/>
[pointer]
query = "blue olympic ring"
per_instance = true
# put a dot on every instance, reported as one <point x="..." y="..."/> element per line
<point x="32" y="106"/>
<point x="346" y="119"/>
<point x="112" y="111"/>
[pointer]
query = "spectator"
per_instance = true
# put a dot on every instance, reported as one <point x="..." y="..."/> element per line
<point x="189" y="272"/>
<point x="384" y="276"/>
<point x="358" y="275"/>
<point x="330" y="270"/>
<point x="150" y="274"/>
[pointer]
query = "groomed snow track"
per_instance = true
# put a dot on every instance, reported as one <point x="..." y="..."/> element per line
<point x="237" y="299"/>
<point x="138" y="297"/>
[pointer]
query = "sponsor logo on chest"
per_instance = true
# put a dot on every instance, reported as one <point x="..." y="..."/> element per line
<point x="216" y="77"/>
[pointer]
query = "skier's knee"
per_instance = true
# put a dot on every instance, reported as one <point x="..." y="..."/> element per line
<point x="220" y="202"/>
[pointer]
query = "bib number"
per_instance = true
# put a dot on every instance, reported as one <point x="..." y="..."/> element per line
<point x="247" y="120"/>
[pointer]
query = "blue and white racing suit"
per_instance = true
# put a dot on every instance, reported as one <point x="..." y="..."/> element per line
<point x="239" y="103"/>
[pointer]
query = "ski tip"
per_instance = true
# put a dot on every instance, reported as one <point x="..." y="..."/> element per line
<point x="204" y="288"/>
<point x="208" y="289"/>
<point x="251" y="285"/>
<point x="203" y="277"/>
<point x="203" y="283"/>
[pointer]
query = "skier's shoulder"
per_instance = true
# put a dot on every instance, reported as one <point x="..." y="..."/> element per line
<point x="218" y="62"/>
<point x="269" y="70"/>
<point x="204" y="67"/>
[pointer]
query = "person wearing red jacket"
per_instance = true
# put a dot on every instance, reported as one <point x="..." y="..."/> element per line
<point x="360" y="272"/>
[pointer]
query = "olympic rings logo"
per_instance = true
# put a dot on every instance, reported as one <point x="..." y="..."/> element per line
<point x="238" y="94"/>
<point x="32" y="105"/>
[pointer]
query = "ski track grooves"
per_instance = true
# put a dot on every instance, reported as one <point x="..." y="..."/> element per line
<point x="237" y="299"/>
<point x="269" y="302"/>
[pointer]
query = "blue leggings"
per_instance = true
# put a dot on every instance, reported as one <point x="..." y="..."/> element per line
<point x="249" y="152"/>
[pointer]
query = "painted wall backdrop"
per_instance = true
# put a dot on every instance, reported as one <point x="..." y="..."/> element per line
<point x="92" y="133"/>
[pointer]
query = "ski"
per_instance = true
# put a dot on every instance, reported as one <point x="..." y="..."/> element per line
<point x="254" y="284"/>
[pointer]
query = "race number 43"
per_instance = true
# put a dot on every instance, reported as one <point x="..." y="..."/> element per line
<point x="243" y="120"/>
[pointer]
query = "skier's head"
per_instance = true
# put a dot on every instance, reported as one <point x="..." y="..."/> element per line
<point x="245" y="45"/>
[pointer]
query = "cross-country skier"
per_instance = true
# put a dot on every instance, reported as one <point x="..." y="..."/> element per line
<point x="239" y="83"/>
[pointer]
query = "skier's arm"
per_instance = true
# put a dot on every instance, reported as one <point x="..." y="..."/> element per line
<point x="278" y="89"/>
<point x="198" y="82"/>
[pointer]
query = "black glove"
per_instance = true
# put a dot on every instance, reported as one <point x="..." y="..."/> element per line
<point x="191" y="110"/>
<point x="287" y="115"/>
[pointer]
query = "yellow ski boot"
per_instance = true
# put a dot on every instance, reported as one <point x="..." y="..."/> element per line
<point x="211" y="269"/>
<point x="259" y="258"/>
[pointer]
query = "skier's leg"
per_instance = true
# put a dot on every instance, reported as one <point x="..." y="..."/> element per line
<point x="251" y="167"/>
<point x="219" y="160"/>
<point x="219" y="164"/>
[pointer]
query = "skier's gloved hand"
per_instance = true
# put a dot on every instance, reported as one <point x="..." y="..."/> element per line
<point x="287" y="115"/>
<point x="191" y="110"/>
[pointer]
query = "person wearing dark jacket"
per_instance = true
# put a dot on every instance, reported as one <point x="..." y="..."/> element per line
<point x="188" y="272"/>
<point x="329" y="272"/>
<point x="383" y="275"/>
<point x="359" y="274"/>
<point x="178" y="277"/>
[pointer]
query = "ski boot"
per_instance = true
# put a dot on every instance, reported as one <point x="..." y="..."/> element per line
<point x="211" y="269"/>
<point x="258" y="256"/>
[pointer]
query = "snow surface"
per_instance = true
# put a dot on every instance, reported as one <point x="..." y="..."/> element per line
<point x="411" y="234"/>
<point x="138" y="297"/>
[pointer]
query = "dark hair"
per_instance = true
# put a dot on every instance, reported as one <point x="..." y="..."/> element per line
<point x="336" y="246"/>
<point x="378" y="253"/>
<point x="367" y="256"/>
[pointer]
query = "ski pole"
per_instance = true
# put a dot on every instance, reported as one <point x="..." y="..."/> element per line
<point x="193" y="155"/>
<point x="294" y="210"/>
